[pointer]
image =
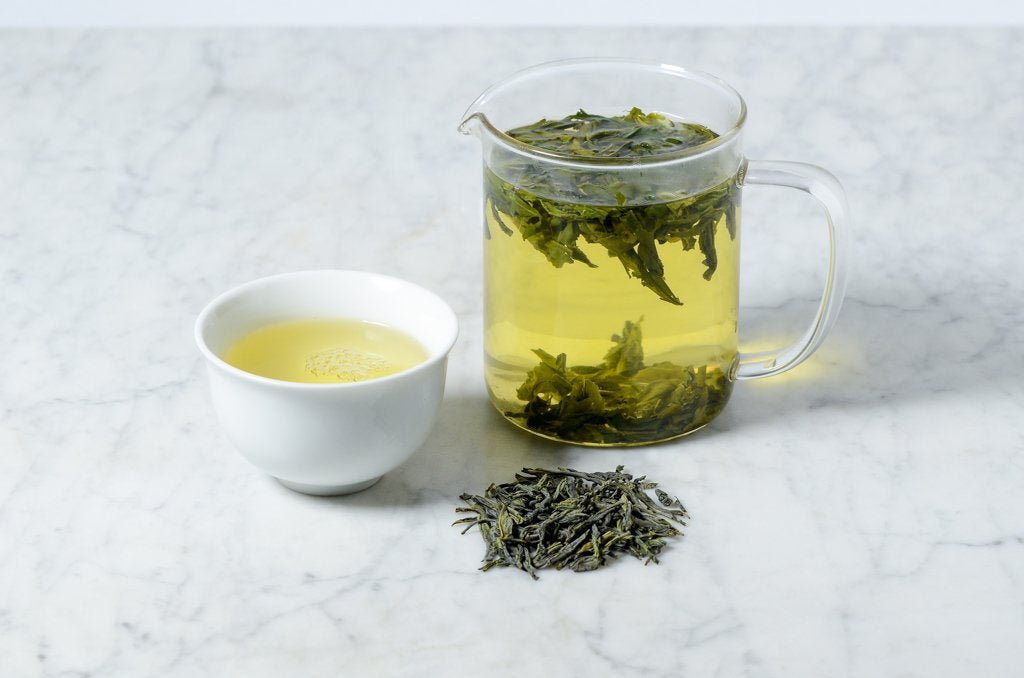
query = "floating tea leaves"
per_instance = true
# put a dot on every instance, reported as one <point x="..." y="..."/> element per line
<point x="621" y="217"/>
<point x="568" y="519"/>
<point x="635" y="134"/>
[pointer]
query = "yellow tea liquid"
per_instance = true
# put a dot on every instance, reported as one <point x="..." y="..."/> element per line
<point x="622" y="332"/>
<point x="325" y="351"/>
<point x="576" y="309"/>
<point x="611" y="288"/>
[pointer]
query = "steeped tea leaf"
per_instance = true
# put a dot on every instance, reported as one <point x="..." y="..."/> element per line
<point x="622" y="218"/>
<point x="634" y="134"/>
<point x="620" y="401"/>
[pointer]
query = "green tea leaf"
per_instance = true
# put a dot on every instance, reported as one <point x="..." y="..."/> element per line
<point x="568" y="519"/>
<point x="622" y="218"/>
<point x="626" y="356"/>
<point x="620" y="401"/>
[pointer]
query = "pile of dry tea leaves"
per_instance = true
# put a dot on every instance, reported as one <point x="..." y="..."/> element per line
<point x="569" y="519"/>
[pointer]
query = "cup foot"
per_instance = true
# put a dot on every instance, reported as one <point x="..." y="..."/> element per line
<point x="327" y="490"/>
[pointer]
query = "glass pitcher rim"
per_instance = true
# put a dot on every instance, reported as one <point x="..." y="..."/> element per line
<point x="723" y="139"/>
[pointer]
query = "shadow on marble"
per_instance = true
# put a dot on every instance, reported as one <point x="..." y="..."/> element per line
<point x="881" y="352"/>
<point x="470" y="447"/>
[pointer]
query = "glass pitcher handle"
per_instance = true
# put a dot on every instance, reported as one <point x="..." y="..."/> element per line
<point x="826" y="189"/>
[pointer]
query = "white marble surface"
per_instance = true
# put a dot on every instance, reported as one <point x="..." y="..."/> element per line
<point x="861" y="516"/>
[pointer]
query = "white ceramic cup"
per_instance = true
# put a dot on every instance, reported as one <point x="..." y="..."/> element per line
<point x="327" y="439"/>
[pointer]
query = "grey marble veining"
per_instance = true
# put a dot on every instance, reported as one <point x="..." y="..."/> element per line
<point x="859" y="516"/>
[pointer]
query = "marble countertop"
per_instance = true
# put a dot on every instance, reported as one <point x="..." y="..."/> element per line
<point x="860" y="516"/>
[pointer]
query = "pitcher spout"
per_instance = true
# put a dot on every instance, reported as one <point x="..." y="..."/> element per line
<point x="471" y="123"/>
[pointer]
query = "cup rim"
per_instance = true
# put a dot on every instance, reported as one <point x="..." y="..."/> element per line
<point x="213" y="359"/>
<point x="474" y="113"/>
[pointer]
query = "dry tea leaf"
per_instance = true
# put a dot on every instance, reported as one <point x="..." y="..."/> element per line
<point x="565" y="518"/>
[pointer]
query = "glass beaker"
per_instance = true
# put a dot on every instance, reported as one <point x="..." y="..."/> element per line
<point x="612" y="283"/>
